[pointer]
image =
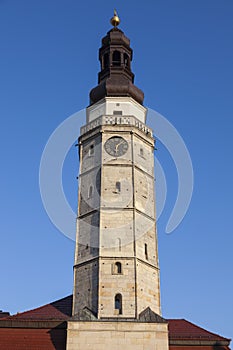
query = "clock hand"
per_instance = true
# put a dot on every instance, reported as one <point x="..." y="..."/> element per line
<point x="118" y="145"/>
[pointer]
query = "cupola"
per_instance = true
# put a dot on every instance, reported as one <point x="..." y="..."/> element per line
<point x="115" y="78"/>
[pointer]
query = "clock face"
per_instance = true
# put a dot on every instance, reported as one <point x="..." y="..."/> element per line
<point x="116" y="146"/>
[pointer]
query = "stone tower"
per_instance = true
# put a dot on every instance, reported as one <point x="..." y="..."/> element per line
<point x="116" y="272"/>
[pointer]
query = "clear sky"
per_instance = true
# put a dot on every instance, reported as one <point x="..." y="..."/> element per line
<point x="183" y="56"/>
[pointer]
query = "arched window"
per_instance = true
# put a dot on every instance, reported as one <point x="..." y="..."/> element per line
<point x="141" y="152"/>
<point x="116" y="58"/>
<point x="118" y="268"/>
<point x="118" y="303"/>
<point x="90" y="192"/>
<point x="126" y="60"/>
<point x="106" y="61"/>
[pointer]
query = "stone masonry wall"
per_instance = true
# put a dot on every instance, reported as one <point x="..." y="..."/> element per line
<point x="117" y="336"/>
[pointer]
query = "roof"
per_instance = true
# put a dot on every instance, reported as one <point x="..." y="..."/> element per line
<point x="33" y="339"/>
<point x="183" y="329"/>
<point x="44" y="328"/>
<point x="59" y="310"/>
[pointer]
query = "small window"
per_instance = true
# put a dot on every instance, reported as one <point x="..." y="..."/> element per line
<point x="116" y="58"/>
<point x="118" y="187"/>
<point x="141" y="152"/>
<point x="91" y="150"/>
<point x="118" y="303"/>
<point x="90" y="192"/>
<point x="146" y="252"/>
<point x="118" y="268"/>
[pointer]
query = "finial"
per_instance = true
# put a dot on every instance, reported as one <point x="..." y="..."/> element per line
<point x="115" y="20"/>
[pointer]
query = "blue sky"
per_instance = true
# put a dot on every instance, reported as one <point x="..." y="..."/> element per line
<point x="183" y="58"/>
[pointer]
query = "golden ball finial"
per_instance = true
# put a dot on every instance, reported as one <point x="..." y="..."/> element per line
<point x="115" y="20"/>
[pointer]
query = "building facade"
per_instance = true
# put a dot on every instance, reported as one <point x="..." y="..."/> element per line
<point x="116" y="296"/>
<point x="116" y="247"/>
<point x="116" y="273"/>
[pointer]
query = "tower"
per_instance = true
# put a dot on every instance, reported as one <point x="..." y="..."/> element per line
<point x="116" y="272"/>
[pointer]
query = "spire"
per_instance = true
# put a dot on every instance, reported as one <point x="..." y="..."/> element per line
<point x="115" y="78"/>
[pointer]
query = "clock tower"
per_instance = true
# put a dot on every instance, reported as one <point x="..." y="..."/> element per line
<point x="116" y="273"/>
